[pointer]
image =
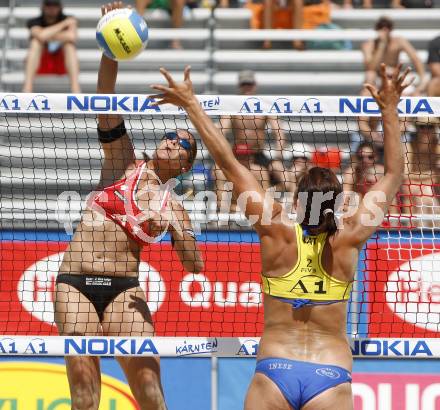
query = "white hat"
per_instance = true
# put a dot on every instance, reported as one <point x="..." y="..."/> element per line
<point x="246" y="77"/>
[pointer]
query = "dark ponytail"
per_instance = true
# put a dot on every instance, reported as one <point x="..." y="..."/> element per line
<point x="321" y="181"/>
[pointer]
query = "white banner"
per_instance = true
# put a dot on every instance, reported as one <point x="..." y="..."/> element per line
<point x="196" y="346"/>
<point x="131" y="104"/>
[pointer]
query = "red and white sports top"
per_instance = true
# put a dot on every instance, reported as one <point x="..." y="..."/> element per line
<point x="118" y="203"/>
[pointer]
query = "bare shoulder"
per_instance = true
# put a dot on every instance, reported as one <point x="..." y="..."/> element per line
<point x="346" y="233"/>
<point x="399" y="41"/>
<point x="278" y="227"/>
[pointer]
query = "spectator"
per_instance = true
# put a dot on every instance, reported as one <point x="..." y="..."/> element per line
<point x="371" y="130"/>
<point x="301" y="162"/>
<point x="368" y="4"/>
<point x="386" y="48"/>
<point x="363" y="173"/>
<point x="415" y="4"/>
<point x="249" y="138"/>
<point x="357" y="176"/>
<point x="174" y="7"/>
<point x="246" y="156"/>
<point x="434" y="67"/>
<point x="52" y="48"/>
<point x="289" y="14"/>
<point x="422" y="171"/>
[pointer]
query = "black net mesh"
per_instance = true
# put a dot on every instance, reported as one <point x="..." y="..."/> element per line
<point x="49" y="165"/>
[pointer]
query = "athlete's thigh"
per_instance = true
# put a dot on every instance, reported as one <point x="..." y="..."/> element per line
<point x="74" y="313"/>
<point x="339" y="397"/>
<point x="264" y="394"/>
<point x="128" y="315"/>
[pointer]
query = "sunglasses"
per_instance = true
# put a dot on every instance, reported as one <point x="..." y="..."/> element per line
<point x="370" y="157"/>
<point x="184" y="143"/>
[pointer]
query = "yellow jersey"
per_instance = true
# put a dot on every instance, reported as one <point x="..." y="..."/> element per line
<point x="308" y="282"/>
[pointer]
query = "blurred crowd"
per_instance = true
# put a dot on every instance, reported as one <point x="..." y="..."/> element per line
<point x="281" y="166"/>
<point x="52" y="50"/>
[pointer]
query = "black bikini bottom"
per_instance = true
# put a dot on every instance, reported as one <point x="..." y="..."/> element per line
<point x="100" y="290"/>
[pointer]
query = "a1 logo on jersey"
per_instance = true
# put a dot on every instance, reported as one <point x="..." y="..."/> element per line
<point x="308" y="285"/>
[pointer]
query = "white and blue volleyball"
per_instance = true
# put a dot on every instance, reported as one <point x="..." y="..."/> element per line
<point x="122" y="34"/>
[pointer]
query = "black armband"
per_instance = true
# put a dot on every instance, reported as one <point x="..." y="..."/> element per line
<point x="113" y="134"/>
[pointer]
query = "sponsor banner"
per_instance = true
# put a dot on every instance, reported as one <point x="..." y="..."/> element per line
<point x="403" y="289"/>
<point x="195" y="346"/>
<point x="386" y="391"/>
<point x="38" y="385"/>
<point x="395" y="348"/>
<point x="213" y="104"/>
<point x="120" y="346"/>
<point x="224" y="300"/>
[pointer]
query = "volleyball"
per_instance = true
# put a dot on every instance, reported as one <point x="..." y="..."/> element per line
<point x="122" y="34"/>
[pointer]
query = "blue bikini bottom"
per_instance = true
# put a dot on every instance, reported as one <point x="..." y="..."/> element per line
<point x="301" y="381"/>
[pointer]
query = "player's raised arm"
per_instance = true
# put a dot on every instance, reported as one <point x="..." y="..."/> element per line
<point x="184" y="241"/>
<point x="376" y="202"/>
<point x="244" y="183"/>
<point x="117" y="146"/>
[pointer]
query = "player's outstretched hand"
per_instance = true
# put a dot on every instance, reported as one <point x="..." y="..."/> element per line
<point x="388" y="96"/>
<point x="179" y="94"/>
<point x="106" y="8"/>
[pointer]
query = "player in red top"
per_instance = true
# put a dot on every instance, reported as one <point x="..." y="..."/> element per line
<point x="97" y="290"/>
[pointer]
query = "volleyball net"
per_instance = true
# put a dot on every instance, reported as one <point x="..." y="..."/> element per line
<point x="50" y="161"/>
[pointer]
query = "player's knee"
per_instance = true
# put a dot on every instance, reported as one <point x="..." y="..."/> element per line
<point x="148" y="391"/>
<point x="35" y="42"/>
<point x="70" y="45"/>
<point x="84" y="397"/>
<point x="35" y="45"/>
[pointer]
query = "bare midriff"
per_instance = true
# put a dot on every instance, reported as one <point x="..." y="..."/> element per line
<point x="101" y="247"/>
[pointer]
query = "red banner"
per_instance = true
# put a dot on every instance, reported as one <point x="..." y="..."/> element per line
<point x="223" y="300"/>
<point x="385" y="391"/>
<point x="403" y="288"/>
